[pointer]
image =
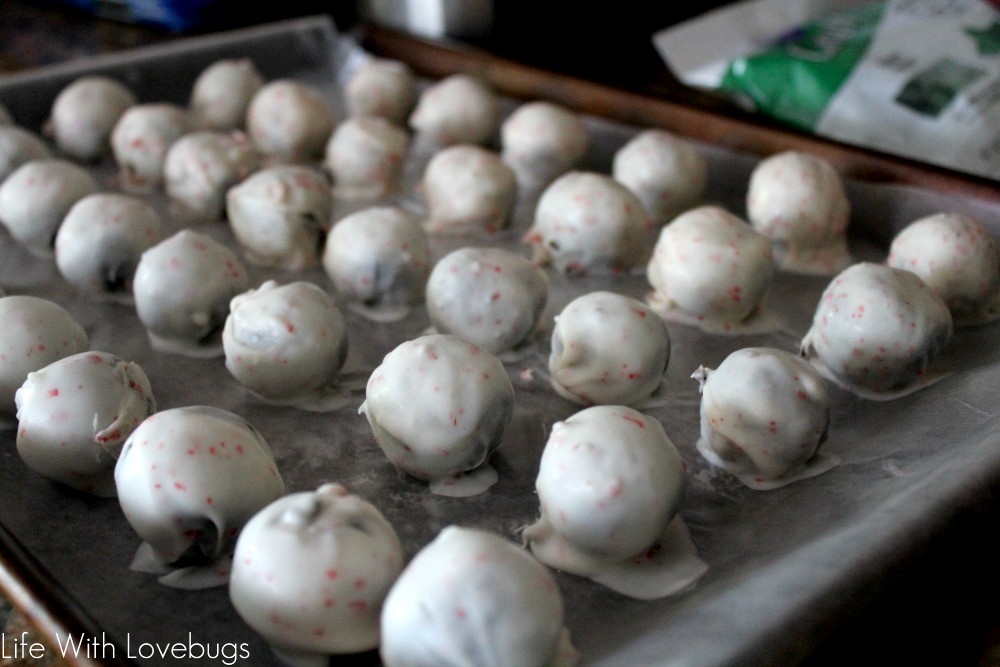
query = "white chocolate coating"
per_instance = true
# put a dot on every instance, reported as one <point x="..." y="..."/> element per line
<point x="189" y="478"/>
<point x="608" y="349"/>
<point x="667" y="173"/>
<point x="438" y="407"/>
<point x="285" y="343"/>
<point x="764" y="414"/>
<point x="75" y="414"/>
<point x="798" y="201"/>
<point x="17" y="146"/>
<point x="542" y="140"/>
<point x="201" y="167"/>
<point x="222" y="92"/>
<point x="35" y="333"/>
<point x="378" y="258"/>
<point x="85" y="112"/>
<point x="877" y="328"/>
<point x="365" y="156"/>
<point x="311" y="570"/>
<point x="459" y="109"/>
<point x="182" y="288"/>
<point x="589" y="223"/>
<point x="101" y="239"/>
<point x="473" y="598"/>
<point x="384" y="88"/>
<point x="956" y="257"/>
<point x="140" y="141"/>
<point x="490" y="297"/>
<point x="290" y="121"/>
<point x="468" y="189"/>
<point x="37" y="196"/>
<point x="709" y="269"/>
<point x="280" y="215"/>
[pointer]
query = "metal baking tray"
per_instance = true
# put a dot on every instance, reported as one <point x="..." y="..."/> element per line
<point x="785" y="566"/>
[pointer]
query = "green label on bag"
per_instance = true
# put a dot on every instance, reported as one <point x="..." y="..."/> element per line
<point x="796" y="79"/>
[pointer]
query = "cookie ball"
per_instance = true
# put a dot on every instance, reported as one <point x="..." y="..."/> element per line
<point x="182" y="289"/>
<point x="290" y="121"/>
<point x="222" y="92"/>
<point x="85" y="112"/>
<point x="459" y="109"/>
<point x="311" y="570"/>
<point x="365" y="156"/>
<point x="469" y="190"/>
<point x="542" y="140"/>
<point x="438" y="407"/>
<point x="384" y="88"/>
<point x="280" y="216"/>
<point x="798" y="201"/>
<point x="75" y="414"/>
<point x="17" y="146"/>
<point x="199" y="169"/>
<point x="668" y="174"/>
<point x="140" y="141"/>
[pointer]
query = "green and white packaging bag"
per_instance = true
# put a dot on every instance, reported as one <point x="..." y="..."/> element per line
<point x="913" y="78"/>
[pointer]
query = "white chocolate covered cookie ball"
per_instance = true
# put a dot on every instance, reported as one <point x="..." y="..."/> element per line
<point x="140" y="141"/>
<point x="384" y="88"/>
<point x="956" y="257"/>
<point x="75" y="414"/>
<point x="280" y="216"/>
<point x="588" y="223"/>
<point x="222" y="92"/>
<point x="459" y="109"/>
<point x="469" y="190"/>
<point x="37" y="196"/>
<point x="608" y="349"/>
<point x="199" y="169"/>
<point x="877" y="329"/>
<point x="798" y="201"/>
<point x="764" y="415"/>
<point x="471" y="597"/>
<point x="668" y="174"/>
<point x="285" y="343"/>
<point x="438" y="407"/>
<point x="182" y="289"/>
<point x="542" y="140"/>
<point x="711" y="270"/>
<point x="490" y="297"/>
<point x="311" y="570"/>
<point x="85" y="112"/>
<point x="17" y="146"/>
<point x="35" y="333"/>
<point x="290" y="121"/>
<point x="100" y="241"/>
<point x="365" y="156"/>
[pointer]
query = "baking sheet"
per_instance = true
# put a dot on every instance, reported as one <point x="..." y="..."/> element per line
<point x="782" y="563"/>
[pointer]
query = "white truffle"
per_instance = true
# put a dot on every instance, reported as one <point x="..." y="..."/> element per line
<point x="37" y="196"/>
<point x="668" y="174"/>
<point x="378" y="260"/>
<point x="877" y="329"/>
<point x="469" y="190"/>
<point x="438" y="407"/>
<point x="764" y="414"/>
<point x="797" y="200"/>
<point x="610" y="484"/>
<point x="459" y="109"/>
<point x="35" y="333"/>
<point x="75" y="414"/>
<point x="101" y="239"/>
<point x="311" y="570"/>
<point x="188" y="479"/>
<point x="17" y="146"/>
<point x="710" y="270"/>
<point x="384" y="88"/>
<point x="542" y="140"/>
<point x="182" y="289"/>
<point x="471" y="597"/>
<point x="85" y="112"/>
<point x="588" y="223"/>
<point x="956" y="257"/>
<point x="199" y="169"/>
<point x="140" y="141"/>
<point x="490" y="297"/>
<point x="222" y="92"/>
<point x="608" y="349"/>
<point x="280" y="216"/>
<point x="365" y="156"/>
<point x="285" y="343"/>
<point x="290" y="121"/>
